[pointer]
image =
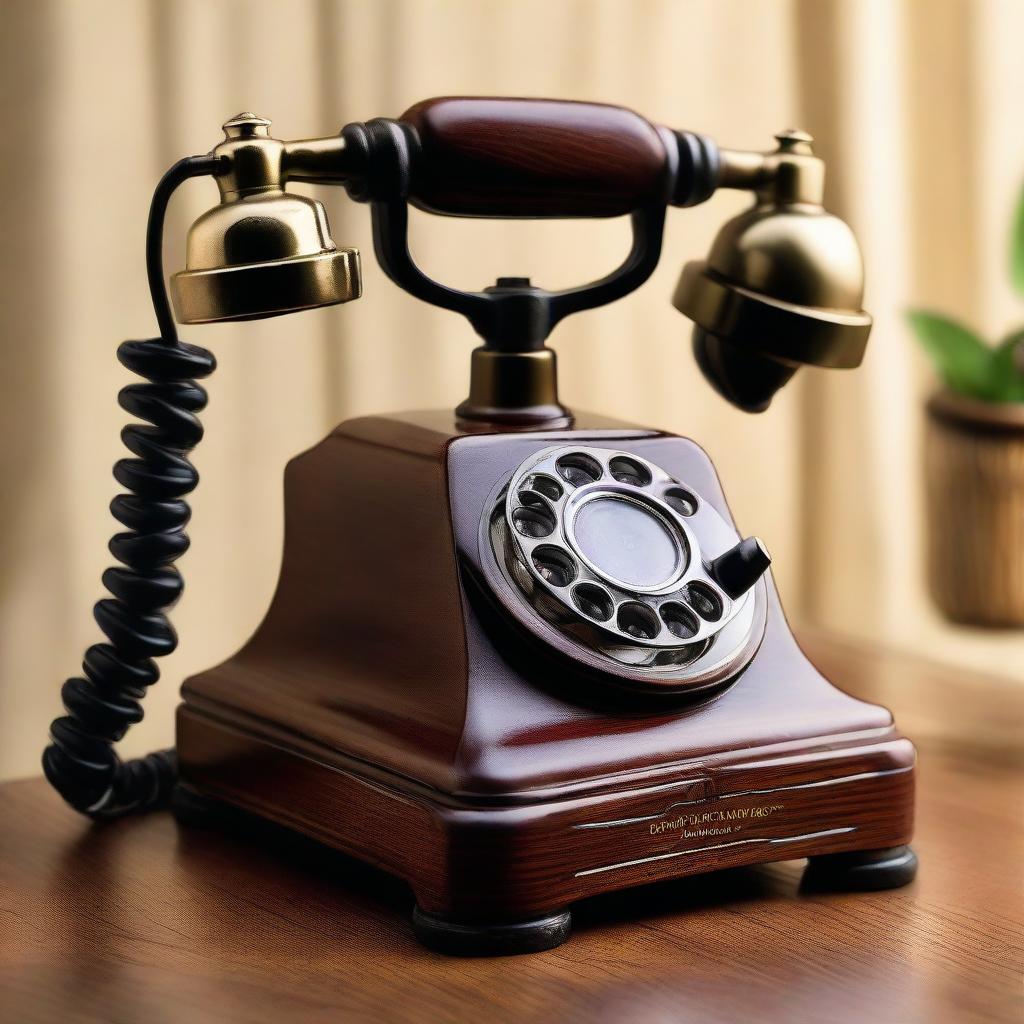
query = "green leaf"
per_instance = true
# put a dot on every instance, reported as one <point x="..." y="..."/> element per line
<point x="1007" y="369"/>
<point x="962" y="359"/>
<point x="1017" y="247"/>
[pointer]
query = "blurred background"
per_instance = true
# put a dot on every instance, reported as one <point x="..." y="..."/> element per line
<point x="914" y="105"/>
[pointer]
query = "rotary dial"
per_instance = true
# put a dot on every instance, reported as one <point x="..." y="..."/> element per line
<point x="624" y="557"/>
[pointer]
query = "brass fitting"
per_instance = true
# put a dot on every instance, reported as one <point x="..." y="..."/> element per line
<point x="263" y="251"/>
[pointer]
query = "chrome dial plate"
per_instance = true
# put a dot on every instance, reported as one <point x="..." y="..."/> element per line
<point x="607" y="544"/>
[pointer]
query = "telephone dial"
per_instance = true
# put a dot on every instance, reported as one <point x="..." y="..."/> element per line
<point x="608" y="548"/>
<point x="517" y="656"/>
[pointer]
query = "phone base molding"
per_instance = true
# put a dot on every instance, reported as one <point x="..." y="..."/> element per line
<point x="390" y="707"/>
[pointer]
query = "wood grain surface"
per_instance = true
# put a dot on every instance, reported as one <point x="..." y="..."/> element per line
<point x="490" y="157"/>
<point x="139" y="921"/>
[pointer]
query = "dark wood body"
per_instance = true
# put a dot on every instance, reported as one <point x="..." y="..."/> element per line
<point x="381" y="707"/>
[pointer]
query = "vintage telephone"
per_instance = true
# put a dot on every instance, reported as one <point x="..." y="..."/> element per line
<point x="516" y="656"/>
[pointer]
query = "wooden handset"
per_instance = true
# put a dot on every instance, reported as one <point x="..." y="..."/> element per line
<point x="484" y="157"/>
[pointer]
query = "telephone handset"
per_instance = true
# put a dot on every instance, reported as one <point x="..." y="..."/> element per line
<point x="560" y="669"/>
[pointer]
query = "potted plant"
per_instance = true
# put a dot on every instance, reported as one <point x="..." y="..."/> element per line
<point x="974" y="466"/>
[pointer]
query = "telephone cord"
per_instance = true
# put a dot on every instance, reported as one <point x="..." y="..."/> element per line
<point x="104" y="701"/>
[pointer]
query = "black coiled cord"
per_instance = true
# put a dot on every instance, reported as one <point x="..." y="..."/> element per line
<point x="105" y="700"/>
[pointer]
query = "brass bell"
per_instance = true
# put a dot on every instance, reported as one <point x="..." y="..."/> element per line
<point x="262" y="251"/>
<point x="782" y="285"/>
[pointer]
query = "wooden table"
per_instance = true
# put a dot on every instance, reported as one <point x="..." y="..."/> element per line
<point x="138" y="921"/>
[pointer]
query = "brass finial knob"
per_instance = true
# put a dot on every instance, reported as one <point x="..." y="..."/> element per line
<point x="793" y="140"/>
<point x="246" y="125"/>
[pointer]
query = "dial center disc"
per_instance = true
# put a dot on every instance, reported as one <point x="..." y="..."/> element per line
<point x="626" y="541"/>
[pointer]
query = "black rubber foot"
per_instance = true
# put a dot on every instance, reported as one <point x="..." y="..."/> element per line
<point x="861" y="870"/>
<point x="457" y="939"/>
<point x="195" y="810"/>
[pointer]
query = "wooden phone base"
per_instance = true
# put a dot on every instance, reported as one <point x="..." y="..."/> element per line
<point x="381" y="709"/>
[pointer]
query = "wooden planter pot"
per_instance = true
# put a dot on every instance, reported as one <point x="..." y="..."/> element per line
<point x="974" y="459"/>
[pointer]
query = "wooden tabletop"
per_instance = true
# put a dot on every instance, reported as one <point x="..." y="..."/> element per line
<point x="138" y="921"/>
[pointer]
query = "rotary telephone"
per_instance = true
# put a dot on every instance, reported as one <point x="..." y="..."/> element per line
<point x="517" y="655"/>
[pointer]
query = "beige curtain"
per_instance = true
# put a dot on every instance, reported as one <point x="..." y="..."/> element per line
<point x="915" y="105"/>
